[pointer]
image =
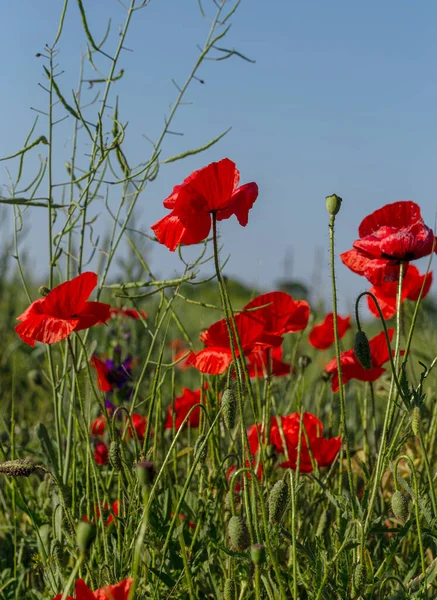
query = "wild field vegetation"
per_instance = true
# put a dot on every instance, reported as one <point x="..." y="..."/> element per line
<point x="194" y="438"/>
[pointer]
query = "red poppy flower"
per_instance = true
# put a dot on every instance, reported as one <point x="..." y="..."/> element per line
<point x="324" y="450"/>
<point x="127" y="312"/>
<point x="97" y="512"/>
<point x="211" y="189"/>
<point x="386" y="293"/>
<point x="110" y="519"/>
<point x="102" y="374"/>
<point x="280" y="313"/>
<point x="392" y="234"/>
<point x="140" y="423"/>
<point x="217" y="356"/>
<point x="182" y="406"/>
<point x="64" y="310"/>
<point x="101" y="453"/>
<point x="98" y="426"/>
<point x="322" y="336"/>
<point x="351" y="367"/>
<point x="119" y="591"/>
<point x="267" y="361"/>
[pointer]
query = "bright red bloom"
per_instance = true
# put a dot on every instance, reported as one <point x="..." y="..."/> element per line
<point x="98" y="426"/>
<point x="101" y="453"/>
<point x="106" y="510"/>
<point x="217" y="356"/>
<point x="324" y="450"/>
<point x="322" y="335"/>
<point x="140" y="423"/>
<point x="351" y="367"/>
<point x="119" y="591"/>
<point x="64" y="310"/>
<point x="267" y="361"/>
<point x="182" y="406"/>
<point x="211" y="189"/>
<point x="386" y="293"/>
<point x="102" y="371"/>
<point x="111" y="516"/>
<point x="127" y="312"/>
<point x="392" y="234"/>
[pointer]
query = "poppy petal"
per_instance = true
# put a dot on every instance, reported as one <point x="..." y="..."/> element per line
<point x="69" y="298"/>
<point x="211" y="360"/>
<point x="398" y="214"/>
<point x="45" y="329"/>
<point x="175" y="229"/>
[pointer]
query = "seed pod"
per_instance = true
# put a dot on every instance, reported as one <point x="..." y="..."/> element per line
<point x="362" y="350"/>
<point x="203" y="453"/>
<point x="229" y="408"/>
<point x="333" y="204"/>
<point x="322" y="523"/>
<point x="399" y="506"/>
<point x="85" y="534"/>
<point x="43" y="291"/>
<point x="115" y="456"/>
<point x="258" y="554"/>
<point x="239" y="536"/>
<point x="229" y="590"/>
<point x="359" y="578"/>
<point x="278" y="501"/>
<point x="415" y="420"/>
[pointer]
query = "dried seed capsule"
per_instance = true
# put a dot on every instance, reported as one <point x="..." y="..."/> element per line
<point x="399" y="506"/>
<point x="115" y="455"/>
<point x="359" y="579"/>
<point x="229" y="590"/>
<point x="278" y="501"/>
<point x="229" y="408"/>
<point x="333" y="204"/>
<point x="239" y="536"/>
<point x="415" y="420"/>
<point x="362" y="350"/>
<point x="85" y="534"/>
<point x="203" y="452"/>
<point x="258" y="554"/>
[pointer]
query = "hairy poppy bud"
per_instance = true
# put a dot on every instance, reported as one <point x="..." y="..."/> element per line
<point x="399" y="506"/>
<point x="258" y="554"/>
<point x="43" y="291"/>
<point x="278" y="501"/>
<point x="362" y="350"/>
<point x="85" y="534"/>
<point x="229" y="590"/>
<point x="145" y="472"/>
<point x="229" y="408"/>
<point x="239" y="536"/>
<point x="303" y="362"/>
<point x="115" y="455"/>
<point x="415" y="420"/>
<point x="333" y="204"/>
<point x="202" y="452"/>
<point x="359" y="578"/>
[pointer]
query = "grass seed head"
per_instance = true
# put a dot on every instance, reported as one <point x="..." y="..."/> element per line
<point x="229" y="590"/>
<point x="359" y="579"/>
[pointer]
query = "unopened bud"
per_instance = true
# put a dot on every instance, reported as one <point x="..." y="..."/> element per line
<point x="399" y="506"/>
<point x="258" y="554"/>
<point x="239" y="536"/>
<point x="198" y="450"/>
<point x="229" y="408"/>
<point x="85" y="534"/>
<point x="333" y="204"/>
<point x="415" y="420"/>
<point x="362" y="350"/>
<point x="278" y="501"/>
<point x="44" y="290"/>
<point x="115" y="455"/>
<point x="145" y="472"/>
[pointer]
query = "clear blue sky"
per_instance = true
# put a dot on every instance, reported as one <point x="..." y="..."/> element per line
<point x="342" y="98"/>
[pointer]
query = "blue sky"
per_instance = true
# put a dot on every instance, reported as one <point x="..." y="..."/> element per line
<point x="342" y="98"/>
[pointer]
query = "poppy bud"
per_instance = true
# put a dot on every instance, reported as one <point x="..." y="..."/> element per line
<point x="359" y="578"/>
<point x="145" y="472"/>
<point x="322" y="523"/>
<point x="333" y="204"/>
<point x="362" y="350"/>
<point x="43" y="291"/>
<point x="201" y="452"/>
<point x="415" y="420"/>
<point x="303" y="362"/>
<point x="229" y="408"/>
<point x="115" y="455"/>
<point x="258" y="554"/>
<point x="239" y="536"/>
<point x="85" y="534"/>
<point x="229" y="590"/>
<point x="399" y="506"/>
<point x="278" y="501"/>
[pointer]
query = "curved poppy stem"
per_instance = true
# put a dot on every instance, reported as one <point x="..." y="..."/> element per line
<point x="337" y="353"/>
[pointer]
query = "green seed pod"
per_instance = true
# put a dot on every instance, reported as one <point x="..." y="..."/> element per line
<point x="145" y="472"/>
<point x="239" y="536"/>
<point x="229" y="590"/>
<point x="203" y="453"/>
<point x="43" y="291"/>
<point x="362" y="350"/>
<point x="333" y="204"/>
<point x="360" y="576"/>
<point x="399" y="506"/>
<point x="415" y="420"/>
<point x="322" y="523"/>
<point x="258" y="554"/>
<point x="85" y="534"/>
<point x="229" y="408"/>
<point x="115" y="456"/>
<point x="278" y="501"/>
